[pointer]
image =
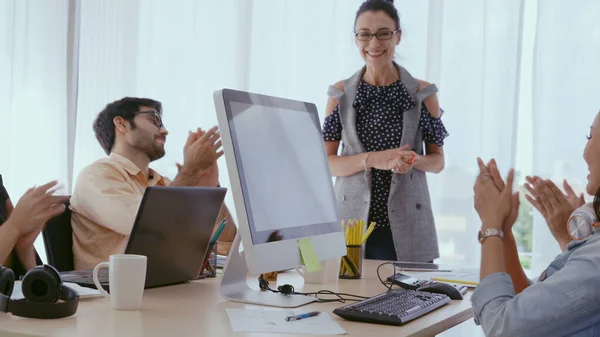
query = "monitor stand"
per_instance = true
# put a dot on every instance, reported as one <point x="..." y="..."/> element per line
<point x="235" y="288"/>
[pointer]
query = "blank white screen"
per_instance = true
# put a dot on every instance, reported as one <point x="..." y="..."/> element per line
<point x="284" y="167"/>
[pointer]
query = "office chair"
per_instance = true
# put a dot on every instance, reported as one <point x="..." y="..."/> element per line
<point x="58" y="241"/>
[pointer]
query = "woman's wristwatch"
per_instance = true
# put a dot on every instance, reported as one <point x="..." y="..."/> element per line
<point x="484" y="233"/>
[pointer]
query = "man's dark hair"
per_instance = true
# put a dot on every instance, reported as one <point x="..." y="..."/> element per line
<point x="380" y="5"/>
<point x="104" y="127"/>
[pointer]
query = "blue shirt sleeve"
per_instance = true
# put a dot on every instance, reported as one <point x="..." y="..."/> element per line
<point x="564" y="303"/>
<point x="434" y="131"/>
<point x="332" y="127"/>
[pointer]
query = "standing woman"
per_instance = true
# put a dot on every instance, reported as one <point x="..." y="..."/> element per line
<point x="391" y="133"/>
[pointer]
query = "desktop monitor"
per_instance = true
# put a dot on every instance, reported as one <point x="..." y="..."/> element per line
<point x="282" y="190"/>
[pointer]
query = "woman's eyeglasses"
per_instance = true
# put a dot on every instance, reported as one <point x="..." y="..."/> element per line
<point x="381" y="35"/>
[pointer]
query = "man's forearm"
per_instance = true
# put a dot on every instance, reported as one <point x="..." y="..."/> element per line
<point x="203" y="180"/>
<point x="186" y="178"/>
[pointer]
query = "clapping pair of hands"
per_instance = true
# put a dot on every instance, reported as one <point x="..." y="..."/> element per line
<point x="498" y="206"/>
<point x="200" y="154"/>
<point x="33" y="210"/>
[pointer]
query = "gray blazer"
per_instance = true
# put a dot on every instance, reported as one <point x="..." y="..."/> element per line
<point x="409" y="205"/>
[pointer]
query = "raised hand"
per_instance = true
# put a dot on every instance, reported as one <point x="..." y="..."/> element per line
<point x="576" y="201"/>
<point x="33" y="210"/>
<point x="515" y="201"/>
<point x="554" y="206"/>
<point x="201" y="151"/>
<point x="491" y="203"/>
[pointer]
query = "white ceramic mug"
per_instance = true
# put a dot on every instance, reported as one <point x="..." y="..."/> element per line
<point x="126" y="280"/>
<point x="329" y="272"/>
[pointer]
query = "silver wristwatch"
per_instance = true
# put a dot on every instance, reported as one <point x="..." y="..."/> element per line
<point x="484" y="233"/>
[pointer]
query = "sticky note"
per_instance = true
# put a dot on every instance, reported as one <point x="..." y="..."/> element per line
<point x="308" y="254"/>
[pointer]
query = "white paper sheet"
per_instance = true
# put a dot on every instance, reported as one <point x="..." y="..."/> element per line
<point x="82" y="291"/>
<point x="273" y="321"/>
<point x="467" y="277"/>
<point x="221" y="259"/>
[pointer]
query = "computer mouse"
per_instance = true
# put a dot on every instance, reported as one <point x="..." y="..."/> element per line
<point x="442" y="288"/>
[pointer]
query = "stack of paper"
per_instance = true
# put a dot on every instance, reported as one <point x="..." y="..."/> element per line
<point x="221" y="261"/>
<point x="467" y="277"/>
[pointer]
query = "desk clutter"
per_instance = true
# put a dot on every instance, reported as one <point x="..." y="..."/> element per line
<point x="334" y="318"/>
<point x="213" y="260"/>
<point x="394" y="307"/>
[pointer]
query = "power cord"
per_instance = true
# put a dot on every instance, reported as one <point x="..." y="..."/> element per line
<point x="288" y="290"/>
<point x="386" y="284"/>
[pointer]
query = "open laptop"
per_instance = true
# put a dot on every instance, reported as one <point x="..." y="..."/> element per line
<point x="173" y="228"/>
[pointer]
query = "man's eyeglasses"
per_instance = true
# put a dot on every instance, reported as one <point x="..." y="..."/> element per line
<point x="156" y="120"/>
<point x="381" y="35"/>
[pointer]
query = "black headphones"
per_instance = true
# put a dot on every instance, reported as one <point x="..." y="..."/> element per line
<point x="42" y="287"/>
<point x="286" y="289"/>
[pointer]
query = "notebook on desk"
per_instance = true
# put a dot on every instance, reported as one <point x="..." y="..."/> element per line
<point x="172" y="228"/>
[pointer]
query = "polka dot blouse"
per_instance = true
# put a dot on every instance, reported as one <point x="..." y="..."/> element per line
<point x="379" y="126"/>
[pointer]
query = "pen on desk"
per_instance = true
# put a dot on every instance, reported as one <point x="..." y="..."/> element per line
<point x="302" y="316"/>
<point x="454" y="281"/>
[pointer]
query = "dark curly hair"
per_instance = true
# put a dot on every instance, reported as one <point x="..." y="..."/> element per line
<point x="104" y="127"/>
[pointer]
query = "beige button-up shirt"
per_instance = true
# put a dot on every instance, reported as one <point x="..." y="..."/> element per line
<point x="104" y="206"/>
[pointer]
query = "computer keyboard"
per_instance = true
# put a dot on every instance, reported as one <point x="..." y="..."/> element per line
<point x="394" y="307"/>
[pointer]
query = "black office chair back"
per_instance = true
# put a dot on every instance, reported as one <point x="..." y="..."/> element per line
<point x="58" y="240"/>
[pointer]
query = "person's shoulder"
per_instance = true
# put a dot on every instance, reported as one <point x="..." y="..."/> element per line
<point x="100" y="164"/>
<point x="335" y="90"/>
<point x="339" y="85"/>
<point x="422" y="84"/>
<point x="102" y="167"/>
<point x="586" y="251"/>
<point x="590" y="243"/>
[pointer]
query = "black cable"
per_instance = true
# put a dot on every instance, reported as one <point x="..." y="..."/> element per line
<point x="288" y="289"/>
<point x="340" y="296"/>
<point x="385" y="284"/>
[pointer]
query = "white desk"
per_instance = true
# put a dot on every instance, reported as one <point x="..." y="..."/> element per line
<point x="197" y="309"/>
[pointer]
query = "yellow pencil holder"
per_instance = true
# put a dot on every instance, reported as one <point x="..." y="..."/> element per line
<point x="351" y="264"/>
